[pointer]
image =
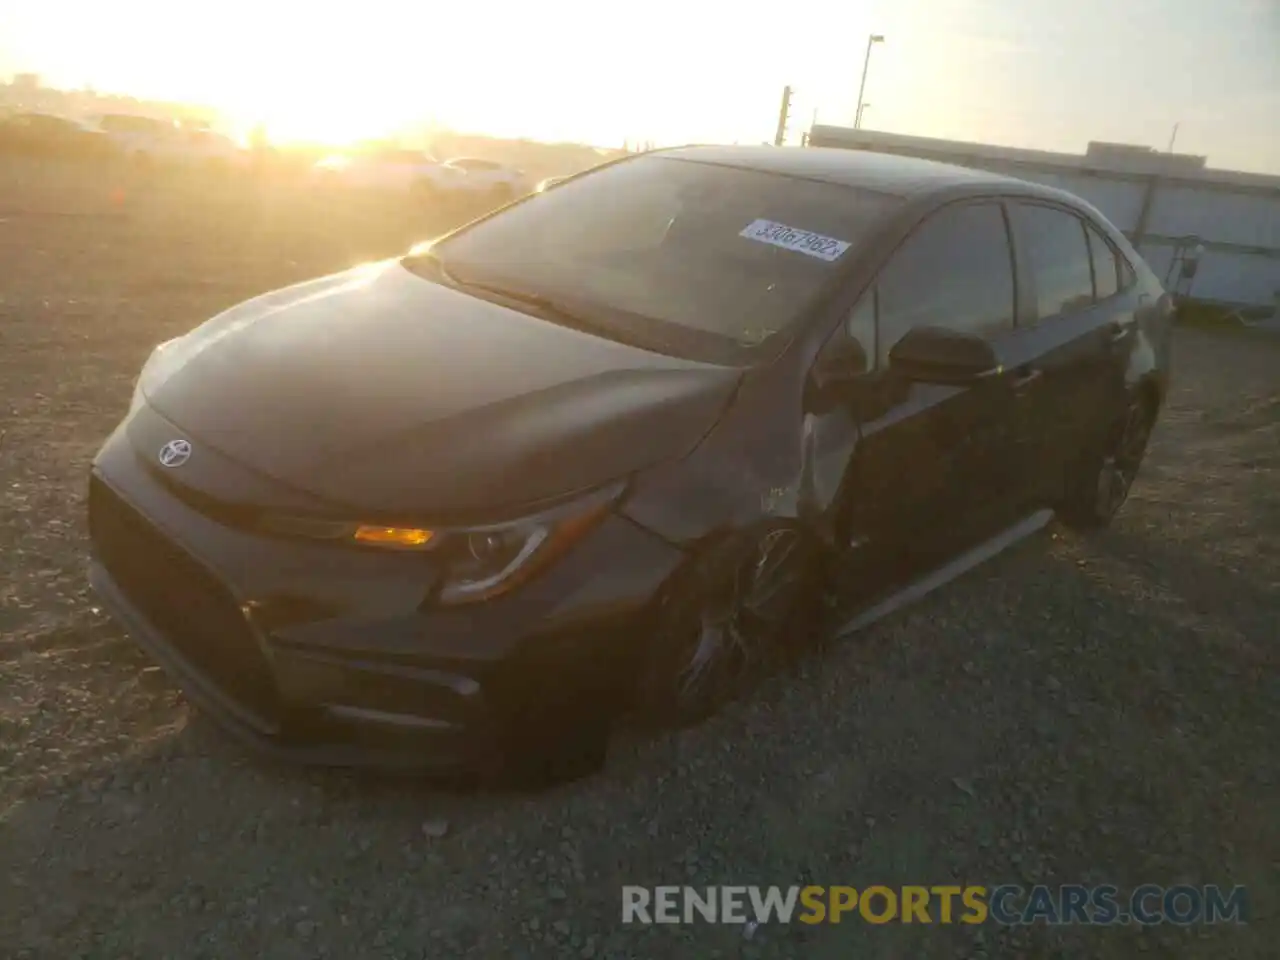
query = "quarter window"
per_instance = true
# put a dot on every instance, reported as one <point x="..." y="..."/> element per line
<point x="1128" y="277"/>
<point x="955" y="271"/>
<point x="861" y="325"/>
<point x="1106" y="266"/>
<point x="1058" y="256"/>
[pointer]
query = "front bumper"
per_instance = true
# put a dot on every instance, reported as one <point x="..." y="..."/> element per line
<point x="327" y="655"/>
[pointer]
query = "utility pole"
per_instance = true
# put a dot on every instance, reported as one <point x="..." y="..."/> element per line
<point x="783" y="116"/>
<point x="862" y="87"/>
<point x="1174" y="136"/>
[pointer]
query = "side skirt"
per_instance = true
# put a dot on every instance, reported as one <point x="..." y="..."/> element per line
<point x="940" y="576"/>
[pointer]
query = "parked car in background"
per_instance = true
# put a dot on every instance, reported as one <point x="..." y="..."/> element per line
<point x="385" y="168"/>
<point x="137" y="137"/>
<point x="144" y="140"/>
<point x="615" y="446"/>
<point x="47" y="135"/>
<point x="489" y="180"/>
<point x="212" y="147"/>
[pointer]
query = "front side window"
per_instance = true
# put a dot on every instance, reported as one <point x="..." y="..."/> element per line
<point x="686" y="257"/>
<point x="955" y="271"/>
<point x="1059" y="258"/>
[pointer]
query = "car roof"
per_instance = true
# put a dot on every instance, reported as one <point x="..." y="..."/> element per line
<point x="880" y="172"/>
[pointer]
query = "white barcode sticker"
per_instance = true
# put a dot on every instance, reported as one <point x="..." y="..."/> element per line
<point x="791" y="238"/>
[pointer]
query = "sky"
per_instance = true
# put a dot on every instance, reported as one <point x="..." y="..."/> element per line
<point x="1049" y="74"/>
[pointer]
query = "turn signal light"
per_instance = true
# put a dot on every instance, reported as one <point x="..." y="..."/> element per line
<point x="408" y="538"/>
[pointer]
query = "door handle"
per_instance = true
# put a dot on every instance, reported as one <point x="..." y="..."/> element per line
<point x="1023" y="377"/>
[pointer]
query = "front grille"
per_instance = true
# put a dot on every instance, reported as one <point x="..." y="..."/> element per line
<point x="181" y="598"/>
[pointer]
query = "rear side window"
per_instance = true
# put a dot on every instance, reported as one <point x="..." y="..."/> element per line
<point x="955" y="271"/>
<point x="1106" y="265"/>
<point x="1058" y="255"/>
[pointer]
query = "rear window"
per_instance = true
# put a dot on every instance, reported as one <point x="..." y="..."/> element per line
<point x="717" y="260"/>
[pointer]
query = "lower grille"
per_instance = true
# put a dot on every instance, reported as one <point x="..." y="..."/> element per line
<point x="194" y="611"/>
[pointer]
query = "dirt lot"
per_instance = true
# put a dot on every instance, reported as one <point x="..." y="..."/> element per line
<point x="1080" y="710"/>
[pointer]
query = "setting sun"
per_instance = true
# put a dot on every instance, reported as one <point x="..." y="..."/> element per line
<point x="675" y="71"/>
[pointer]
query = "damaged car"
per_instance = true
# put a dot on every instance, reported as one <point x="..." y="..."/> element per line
<point x="625" y="444"/>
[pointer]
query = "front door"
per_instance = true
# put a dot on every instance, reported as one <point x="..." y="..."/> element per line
<point x="935" y="465"/>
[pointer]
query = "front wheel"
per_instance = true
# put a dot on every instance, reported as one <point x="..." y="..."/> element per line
<point x="733" y="614"/>
<point x="1102" y="483"/>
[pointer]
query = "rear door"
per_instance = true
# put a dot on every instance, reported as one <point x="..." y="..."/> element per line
<point x="1073" y="333"/>
<point x="934" y="463"/>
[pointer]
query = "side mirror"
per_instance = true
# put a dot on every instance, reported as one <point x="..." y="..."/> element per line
<point x="938" y="355"/>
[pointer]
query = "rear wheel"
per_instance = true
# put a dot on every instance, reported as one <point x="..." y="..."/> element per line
<point x="732" y="616"/>
<point x="1102" y="483"/>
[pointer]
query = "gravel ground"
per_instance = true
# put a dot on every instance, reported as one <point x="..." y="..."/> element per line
<point x="1100" y="709"/>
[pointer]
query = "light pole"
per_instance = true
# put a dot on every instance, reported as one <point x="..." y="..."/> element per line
<point x="862" y="110"/>
<point x="862" y="88"/>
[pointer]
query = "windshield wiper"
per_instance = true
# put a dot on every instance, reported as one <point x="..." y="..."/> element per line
<point x="549" y="307"/>
<point x="540" y="300"/>
<point x="545" y="304"/>
<point x="556" y="310"/>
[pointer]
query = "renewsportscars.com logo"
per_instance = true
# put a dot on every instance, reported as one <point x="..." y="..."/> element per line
<point x="1006" y="904"/>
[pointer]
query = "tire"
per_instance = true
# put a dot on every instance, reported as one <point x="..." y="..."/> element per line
<point x="1101" y="484"/>
<point x="737" y="611"/>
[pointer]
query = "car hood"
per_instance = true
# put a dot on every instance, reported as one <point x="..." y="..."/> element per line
<point x="386" y="393"/>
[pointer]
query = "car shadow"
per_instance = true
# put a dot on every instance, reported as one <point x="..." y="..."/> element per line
<point x="985" y="732"/>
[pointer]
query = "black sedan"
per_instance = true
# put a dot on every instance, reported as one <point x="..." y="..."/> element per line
<point x="623" y="444"/>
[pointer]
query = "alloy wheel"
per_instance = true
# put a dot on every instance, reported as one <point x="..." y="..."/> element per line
<point x="739" y="629"/>
<point x="1120" y="467"/>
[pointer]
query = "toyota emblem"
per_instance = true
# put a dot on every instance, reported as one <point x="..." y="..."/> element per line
<point x="175" y="453"/>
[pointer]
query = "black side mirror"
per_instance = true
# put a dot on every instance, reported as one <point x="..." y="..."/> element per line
<point x="938" y="355"/>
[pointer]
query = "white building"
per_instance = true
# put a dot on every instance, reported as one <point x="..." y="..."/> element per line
<point x="1158" y="199"/>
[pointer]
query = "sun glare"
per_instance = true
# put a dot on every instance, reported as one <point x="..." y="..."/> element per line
<point x="335" y="123"/>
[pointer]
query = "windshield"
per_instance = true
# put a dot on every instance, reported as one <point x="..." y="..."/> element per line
<point x="698" y="259"/>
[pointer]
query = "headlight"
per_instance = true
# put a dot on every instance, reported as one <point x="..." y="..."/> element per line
<point x="483" y="561"/>
<point x="480" y="561"/>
